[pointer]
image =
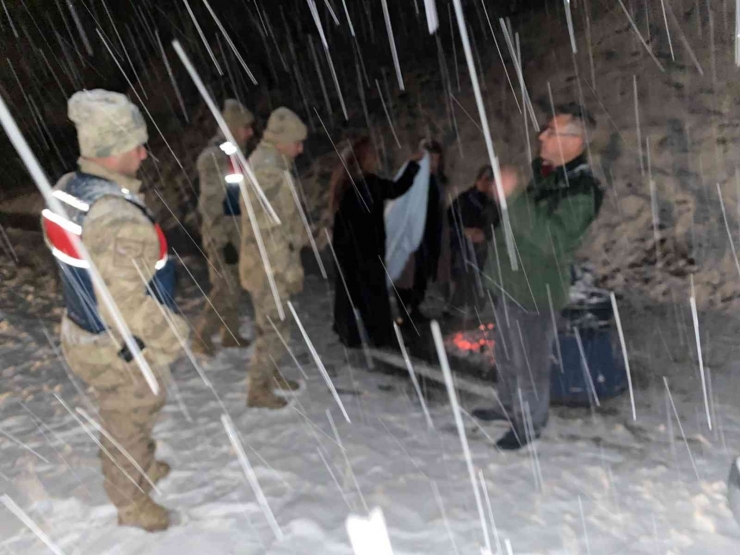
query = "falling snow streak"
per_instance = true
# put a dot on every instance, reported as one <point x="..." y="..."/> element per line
<point x="123" y="47"/>
<point x="519" y="71"/>
<point x="170" y="322"/>
<point x="80" y="27"/>
<point x="230" y="42"/>
<point x="172" y="78"/>
<point x="118" y="446"/>
<point x="317" y="21"/>
<point x="251" y="476"/>
<point x="508" y="233"/>
<point x="387" y="114"/>
<point x="642" y="40"/>
<point x="319" y="363"/>
<point x="346" y="457"/>
<point x="306" y="225"/>
<point x="97" y="442"/>
<point x="737" y="33"/>
<point x="439" y="344"/>
<point x="697" y="336"/>
<point x="203" y="38"/>
<point x="727" y="227"/>
<point x="622" y="342"/>
<point x="569" y="19"/>
<point x="392" y="40"/>
<point x="432" y="18"/>
<point x="501" y="57"/>
<point x="315" y="58"/>
<point x="349" y="20"/>
<point x="412" y="375"/>
<point x="668" y="32"/>
<point x="341" y="159"/>
<point x="23" y="445"/>
<point x="680" y="427"/>
<point x="148" y="113"/>
<point x="25" y="519"/>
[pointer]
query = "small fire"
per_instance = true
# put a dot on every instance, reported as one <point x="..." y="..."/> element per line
<point x="477" y="341"/>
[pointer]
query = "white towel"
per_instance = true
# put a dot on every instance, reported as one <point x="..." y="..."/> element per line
<point x="405" y="219"/>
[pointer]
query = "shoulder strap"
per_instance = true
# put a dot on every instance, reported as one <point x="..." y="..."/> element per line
<point x="83" y="190"/>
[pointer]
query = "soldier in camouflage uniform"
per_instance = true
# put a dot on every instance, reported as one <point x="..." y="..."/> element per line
<point x="272" y="163"/>
<point x="219" y="209"/>
<point x="106" y="211"/>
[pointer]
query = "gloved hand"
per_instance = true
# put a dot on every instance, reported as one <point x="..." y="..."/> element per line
<point x="230" y="254"/>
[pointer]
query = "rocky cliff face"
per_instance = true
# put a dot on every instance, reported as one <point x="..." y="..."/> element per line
<point x="663" y="86"/>
<point x="665" y="146"/>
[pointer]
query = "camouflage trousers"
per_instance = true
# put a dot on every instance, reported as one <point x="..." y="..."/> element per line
<point x="128" y="411"/>
<point x="225" y="296"/>
<point x="268" y="331"/>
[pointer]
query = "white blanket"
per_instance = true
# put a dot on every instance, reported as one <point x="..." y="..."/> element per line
<point x="405" y="218"/>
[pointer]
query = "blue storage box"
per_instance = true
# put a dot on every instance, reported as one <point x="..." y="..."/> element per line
<point x="570" y="386"/>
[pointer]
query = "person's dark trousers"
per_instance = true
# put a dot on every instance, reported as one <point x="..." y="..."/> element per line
<point x="468" y="280"/>
<point x="522" y="353"/>
<point x="412" y="298"/>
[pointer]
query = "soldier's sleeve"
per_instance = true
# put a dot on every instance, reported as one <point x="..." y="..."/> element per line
<point x="124" y="246"/>
<point x="270" y="181"/>
<point x="212" y="194"/>
<point x="278" y="239"/>
<point x="291" y="210"/>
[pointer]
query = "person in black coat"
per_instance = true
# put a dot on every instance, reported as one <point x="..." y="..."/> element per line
<point x="472" y="216"/>
<point x="357" y="199"/>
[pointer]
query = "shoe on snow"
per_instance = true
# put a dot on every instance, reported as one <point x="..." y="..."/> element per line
<point x="236" y="340"/>
<point x="489" y="415"/>
<point x="262" y="396"/>
<point x="145" y="514"/>
<point x="158" y="471"/>
<point x="510" y="441"/>
<point x="284" y="384"/>
<point x="733" y="489"/>
<point x="203" y="347"/>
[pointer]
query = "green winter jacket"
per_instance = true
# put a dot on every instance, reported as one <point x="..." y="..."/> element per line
<point x="548" y="219"/>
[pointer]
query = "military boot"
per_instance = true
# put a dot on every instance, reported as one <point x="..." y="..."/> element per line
<point x="202" y="343"/>
<point x="233" y="338"/>
<point x="261" y="395"/>
<point x="283" y="383"/>
<point x="144" y="513"/>
<point x="159" y="470"/>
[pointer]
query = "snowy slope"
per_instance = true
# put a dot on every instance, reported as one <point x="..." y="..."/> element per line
<point x="610" y="485"/>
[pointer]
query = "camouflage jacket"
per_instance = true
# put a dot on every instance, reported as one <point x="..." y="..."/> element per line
<point x="283" y="242"/>
<point x="116" y="233"/>
<point x="217" y="228"/>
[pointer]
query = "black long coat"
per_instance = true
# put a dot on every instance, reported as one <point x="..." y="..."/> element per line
<point x="359" y="245"/>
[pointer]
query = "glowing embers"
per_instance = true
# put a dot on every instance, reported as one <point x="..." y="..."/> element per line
<point x="473" y="342"/>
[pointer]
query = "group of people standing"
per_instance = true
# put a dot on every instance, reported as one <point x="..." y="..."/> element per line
<point x="253" y="237"/>
<point x="549" y="217"/>
<point x="452" y="242"/>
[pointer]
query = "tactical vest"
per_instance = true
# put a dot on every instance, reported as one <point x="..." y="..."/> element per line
<point x="78" y="195"/>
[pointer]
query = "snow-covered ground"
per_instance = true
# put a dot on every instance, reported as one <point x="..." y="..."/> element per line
<point x="610" y="485"/>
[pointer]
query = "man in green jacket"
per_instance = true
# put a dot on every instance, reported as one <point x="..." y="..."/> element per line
<point x="549" y="218"/>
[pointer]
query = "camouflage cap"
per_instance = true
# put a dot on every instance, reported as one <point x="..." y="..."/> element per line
<point x="284" y="126"/>
<point x="236" y="115"/>
<point x="108" y="123"/>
